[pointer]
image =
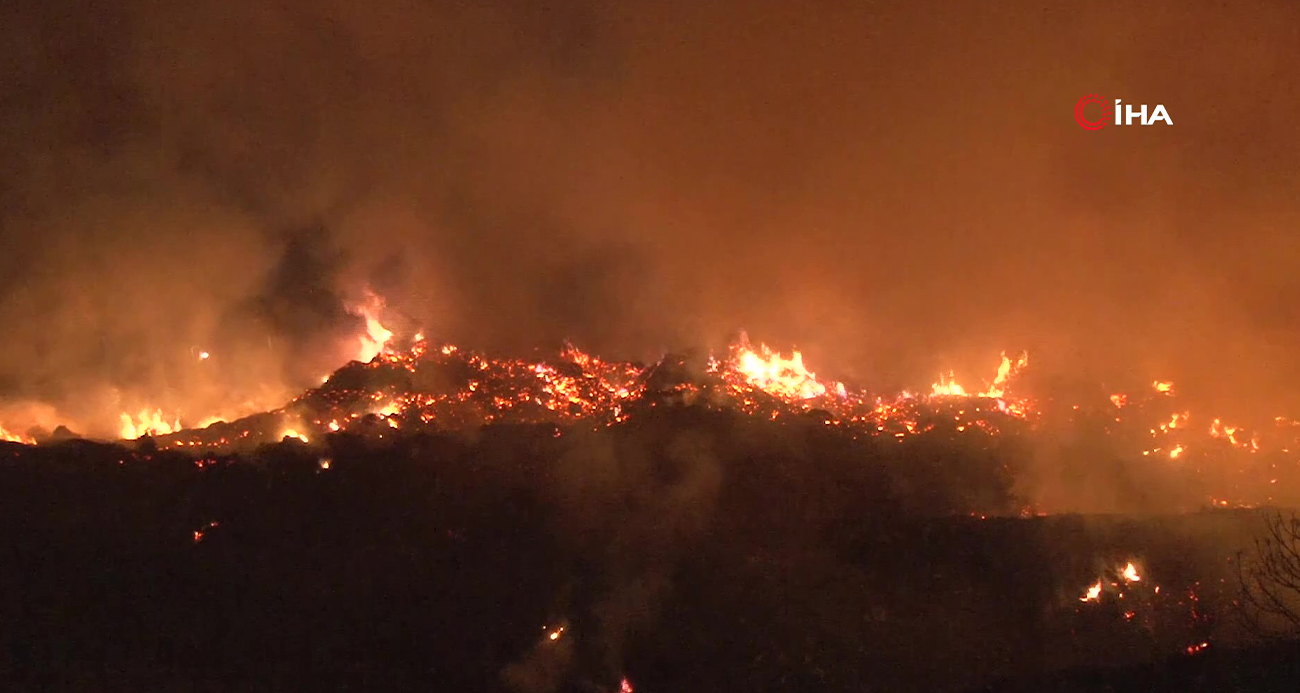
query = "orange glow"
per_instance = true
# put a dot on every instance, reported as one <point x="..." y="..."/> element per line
<point x="1130" y="573"/>
<point x="1164" y="387"/>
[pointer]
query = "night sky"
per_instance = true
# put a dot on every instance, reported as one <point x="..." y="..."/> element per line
<point x="895" y="187"/>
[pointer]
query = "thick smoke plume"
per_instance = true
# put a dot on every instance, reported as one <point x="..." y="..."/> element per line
<point x="896" y="189"/>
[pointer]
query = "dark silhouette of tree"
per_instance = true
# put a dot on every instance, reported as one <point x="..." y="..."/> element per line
<point x="1270" y="579"/>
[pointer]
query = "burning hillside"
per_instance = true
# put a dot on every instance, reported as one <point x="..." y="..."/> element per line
<point x="425" y="386"/>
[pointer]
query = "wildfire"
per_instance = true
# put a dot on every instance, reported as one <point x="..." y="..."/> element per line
<point x="572" y="387"/>
<point x="1130" y="573"/>
<point x="147" y="423"/>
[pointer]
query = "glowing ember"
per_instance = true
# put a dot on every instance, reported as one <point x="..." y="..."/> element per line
<point x="291" y="433"/>
<point x="147" y="423"/>
<point x="202" y="531"/>
<point x="1164" y="387"/>
<point x="625" y="686"/>
<point x="1198" y="647"/>
<point x="555" y="634"/>
<point x="1174" y="454"/>
<point x="204" y="356"/>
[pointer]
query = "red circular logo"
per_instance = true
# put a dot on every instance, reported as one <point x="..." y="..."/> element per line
<point x="1091" y="124"/>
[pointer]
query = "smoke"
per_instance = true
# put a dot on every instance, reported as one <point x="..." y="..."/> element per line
<point x="896" y="191"/>
<point x="630" y="505"/>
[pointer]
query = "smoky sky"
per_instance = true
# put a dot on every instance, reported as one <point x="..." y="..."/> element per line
<point x="895" y="187"/>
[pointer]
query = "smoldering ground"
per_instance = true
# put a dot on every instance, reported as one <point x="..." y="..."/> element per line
<point x="895" y="189"/>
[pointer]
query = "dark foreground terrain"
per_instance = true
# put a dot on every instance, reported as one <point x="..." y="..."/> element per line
<point x="687" y="551"/>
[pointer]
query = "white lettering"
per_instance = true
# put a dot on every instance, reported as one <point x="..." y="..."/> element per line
<point x="1129" y="114"/>
<point x="1160" y="114"/>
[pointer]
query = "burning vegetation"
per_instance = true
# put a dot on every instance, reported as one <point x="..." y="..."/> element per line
<point x="422" y="385"/>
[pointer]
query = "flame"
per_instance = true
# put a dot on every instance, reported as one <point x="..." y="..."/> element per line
<point x="779" y="376"/>
<point x="204" y="356"/>
<point x="375" y="340"/>
<point x="1093" y="594"/>
<point x="1130" y="573"/>
<point x="1164" y="387"/>
<point x="947" y="386"/>
<point x="291" y="433"/>
<point x="15" y="438"/>
<point x="1176" y="452"/>
<point x="1005" y="370"/>
<point x="147" y="423"/>
<point x="624" y="686"/>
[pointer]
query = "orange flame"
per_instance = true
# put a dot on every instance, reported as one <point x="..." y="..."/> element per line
<point x="1093" y="594"/>
<point x="947" y="386"/>
<point x="779" y="376"/>
<point x="375" y="340"/>
<point x="147" y="423"/>
<point x="15" y="438"/>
